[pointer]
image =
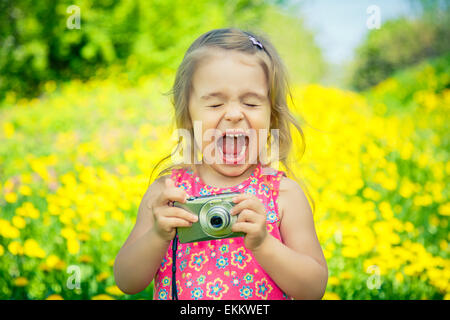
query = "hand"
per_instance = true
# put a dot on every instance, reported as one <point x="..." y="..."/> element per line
<point x="166" y="217"/>
<point x="251" y="220"/>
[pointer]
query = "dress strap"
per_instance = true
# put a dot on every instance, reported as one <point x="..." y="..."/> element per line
<point x="276" y="182"/>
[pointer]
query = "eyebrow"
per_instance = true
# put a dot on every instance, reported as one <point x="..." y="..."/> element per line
<point x="220" y="95"/>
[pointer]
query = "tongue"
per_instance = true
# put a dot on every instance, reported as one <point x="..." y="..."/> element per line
<point x="233" y="145"/>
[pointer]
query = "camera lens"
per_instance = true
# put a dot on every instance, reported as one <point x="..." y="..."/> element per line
<point x="216" y="222"/>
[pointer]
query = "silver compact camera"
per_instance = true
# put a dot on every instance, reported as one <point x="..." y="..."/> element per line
<point x="214" y="218"/>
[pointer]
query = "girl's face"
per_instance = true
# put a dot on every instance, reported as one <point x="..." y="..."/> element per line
<point x="229" y="96"/>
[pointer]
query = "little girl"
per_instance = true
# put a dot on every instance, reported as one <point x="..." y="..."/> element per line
<point x="234" y="83"/>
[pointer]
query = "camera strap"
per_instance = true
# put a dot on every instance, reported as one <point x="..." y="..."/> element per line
<point x="174" y="266"/>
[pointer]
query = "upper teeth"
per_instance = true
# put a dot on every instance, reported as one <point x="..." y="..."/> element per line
<point x="235" y="135"/>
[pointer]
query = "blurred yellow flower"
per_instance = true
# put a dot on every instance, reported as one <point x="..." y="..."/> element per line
<point x="114" y="290"/>
<point x="54" y="297"/>
<point x="118" y="216"/>
<point x="32" y="249"/>
<point x="7" y="230"/>
<point x="11" y="197"/>
<point x="84" y="237"/>
<point x="68" y="233"/>
<point x="73" y="246"/>
<point x="15" y="248"/>
<point x="345" y="275"/>
<point x="333" y="281"/>
<point x="399" y="277"/>
<point x="330" y="296"/>
<point x="386" y="210"/>
<point x="102" y="276"/>
<point x="85" y="258"/>
<point x="27" y="209"/>
<point x="20" y="282"/>
<point x="106" y="236"/>
<point x="407" y="188"/>
<point x="18" y="222"/>
<point x="52" y="260"/>
<point x="25" y="190"/>
<point x="444" y="209"/>
<point x="8" y="129"/>
<point x="102" y="297"/>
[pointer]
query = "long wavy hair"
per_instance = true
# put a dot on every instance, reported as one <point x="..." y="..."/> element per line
<point x="277" y="77"/>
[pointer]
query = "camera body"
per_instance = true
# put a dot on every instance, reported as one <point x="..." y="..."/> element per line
<point x="214" y="218"/>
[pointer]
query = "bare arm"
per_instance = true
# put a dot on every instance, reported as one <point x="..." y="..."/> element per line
<point x="298" y="266"/>
<point x="139" y="258"/>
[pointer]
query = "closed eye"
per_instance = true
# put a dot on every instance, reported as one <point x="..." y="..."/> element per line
<point x="247" y="104"/>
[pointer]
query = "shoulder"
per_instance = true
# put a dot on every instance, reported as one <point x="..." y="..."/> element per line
<point x="291" y="195"/>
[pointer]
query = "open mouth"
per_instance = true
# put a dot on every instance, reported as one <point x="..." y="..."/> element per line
<point x="233" y="147"/>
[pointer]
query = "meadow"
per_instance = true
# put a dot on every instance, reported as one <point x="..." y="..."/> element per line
<point x="76" y="161"/>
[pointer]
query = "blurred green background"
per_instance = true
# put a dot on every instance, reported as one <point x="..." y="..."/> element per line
<point x="84" y="118"/>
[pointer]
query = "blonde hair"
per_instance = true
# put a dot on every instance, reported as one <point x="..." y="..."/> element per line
<point x="276" y="74"/>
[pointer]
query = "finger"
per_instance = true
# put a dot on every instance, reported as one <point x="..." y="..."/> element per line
<point x="173" y="222"/>
<point x="245" y="196"/>
<point x="244" y="227"/>
<point x="249" y="203"/>
<point x="180" y="213"/>
<point x="247" y="215"/>
<point x="171" y="193"/>
<point x="238" y="198"/>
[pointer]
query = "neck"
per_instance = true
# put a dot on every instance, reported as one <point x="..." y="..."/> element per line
<point x="213" y="177"/>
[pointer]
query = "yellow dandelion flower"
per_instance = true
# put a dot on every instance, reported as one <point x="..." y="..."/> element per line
<point x="399" y="277"/>
<point x="7" y="230"/>
<point x="102" y="297"/>
<point x="102" y="276"/>
<point x="443" y="245"/>
<point x="20" y="282"/>
<point x="8" y="129"/>
<point x="32" y="249"/>
<point x="85" y="258"/>
<point x="330" y="296"/>
<point x="11" y="197"/>
<point x="52" y="260"/>
<point x="106" y="236"/>
<point x="118" y="216"/>
<point x="15" y="248"/>
<point x="26" y="178"/>
<point x="54" y="297"/>
<point x="83" y="236"/>
<point x="386" y="210"/>
<point x="345" y="275"/>
<point x="114" y="290"/>
<point x="73" y="246"/>
<point x="409" y="227"/>
<point x="25" y="190"/>
<point x="444" y="209"/>
<point x="2" y="250"/>
<point x="44" y="267"/>
<point x="18" y="222"/>
<point x="333" y="281"/>
<point x="68" y="233"/>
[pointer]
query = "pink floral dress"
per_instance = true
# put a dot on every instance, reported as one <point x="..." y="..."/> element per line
<point x="224" y="268"/>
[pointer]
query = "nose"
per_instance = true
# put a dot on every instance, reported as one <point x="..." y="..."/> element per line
<point x="233" y="113"/>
